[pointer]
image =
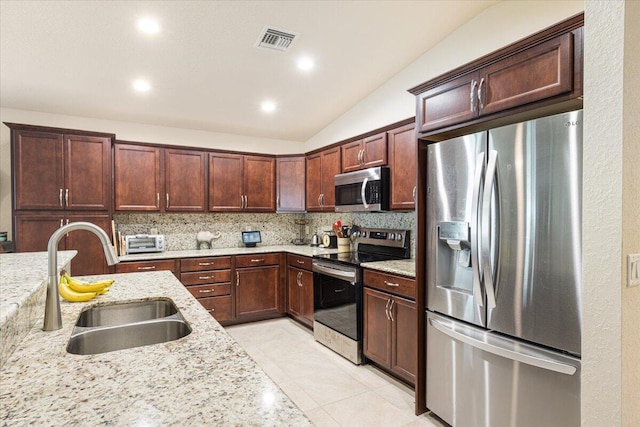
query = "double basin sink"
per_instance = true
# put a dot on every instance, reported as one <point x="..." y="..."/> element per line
<point x="116" y="326"/>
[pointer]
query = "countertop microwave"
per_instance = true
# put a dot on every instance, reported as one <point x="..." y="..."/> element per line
<point x="144" y="243"/>
<point x="365" y="190"/>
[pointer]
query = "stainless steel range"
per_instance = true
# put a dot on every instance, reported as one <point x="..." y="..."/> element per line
<point x="337" y="288"/>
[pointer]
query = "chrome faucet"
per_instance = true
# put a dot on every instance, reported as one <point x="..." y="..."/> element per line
<point x="52" y="314"/>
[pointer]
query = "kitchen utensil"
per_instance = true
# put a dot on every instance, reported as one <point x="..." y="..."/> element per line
<point x="337" y="228"/>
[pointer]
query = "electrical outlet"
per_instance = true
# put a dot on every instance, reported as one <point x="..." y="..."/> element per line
<point x="633" y="269"/>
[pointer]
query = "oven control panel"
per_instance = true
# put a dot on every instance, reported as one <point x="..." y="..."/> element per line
<point x="383" y="237"/>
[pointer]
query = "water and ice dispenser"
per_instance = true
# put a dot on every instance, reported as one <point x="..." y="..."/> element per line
<point x="453" y="255"/>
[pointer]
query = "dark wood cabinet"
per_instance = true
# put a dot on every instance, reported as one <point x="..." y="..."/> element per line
<point x="390" y="323"/>
<point x="33" y="231"/>
<point x="322" y="168"/>
<point x="290" y="186"/>
<point x="402" y="143"/>
<point x="185" y="181"/>
<point x="138" y="177"/>
<point x="541" y="74"/>
<point x="300" y="289"/>
<point x="57" y="171"/>
<point x="364" y="153"/>
<point x="258" y="287"/>
<point x="147" y="266"/>
<point x="155" y="179"/>
<point x="209" y="281"/>
<point x="241" y="183"/>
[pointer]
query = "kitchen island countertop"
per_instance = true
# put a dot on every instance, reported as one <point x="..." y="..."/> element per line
<point x="205" y="378"/>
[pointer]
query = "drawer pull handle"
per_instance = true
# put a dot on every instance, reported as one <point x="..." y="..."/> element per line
<point x="257" y="260"/>
<point x="337" y="291"/>
<point x="205" y="291"/>
<point x="205" y="263"/>
<point x="152" y="267"/>
<point x="391" y="284"/>
<point x="212" y="310"/>
<point x="205" y="277"/>
<point x="300" y="262"/>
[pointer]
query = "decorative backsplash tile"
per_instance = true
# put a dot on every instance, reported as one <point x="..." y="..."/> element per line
<point x="276" y="229"/>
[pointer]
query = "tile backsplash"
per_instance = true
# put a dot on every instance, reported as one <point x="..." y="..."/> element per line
<point x="276" y="229"/>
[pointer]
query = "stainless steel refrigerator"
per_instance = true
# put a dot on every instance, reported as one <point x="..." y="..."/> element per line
<point x="503" y="275"/>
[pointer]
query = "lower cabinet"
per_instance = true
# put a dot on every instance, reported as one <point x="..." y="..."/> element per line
<point x="147" y="266"/>
<point x="258" y="291"/>
<point x="300" y="289"/>
<point x="32" y="233"/>
<point x="209" y="281"/>
<point x="390" y="332"/>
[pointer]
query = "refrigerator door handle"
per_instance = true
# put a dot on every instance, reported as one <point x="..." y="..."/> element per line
<point x="485" y="228"/>
<point x="475" y="225"/>
<point x="492" y="345"/>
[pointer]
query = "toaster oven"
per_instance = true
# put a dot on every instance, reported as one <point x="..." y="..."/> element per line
<point x="143" y="243"/>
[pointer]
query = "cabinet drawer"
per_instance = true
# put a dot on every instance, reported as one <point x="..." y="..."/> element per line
<point x="139" y="266"/>
<point x="218" y="307"/>
<point x="205" y="277"/>
<point x="255" y="260"/>
<point x="204" y="291"/>
<point x="200" y="264"/>
<point x="298" y="261"/>
<point x="390" y="283"/>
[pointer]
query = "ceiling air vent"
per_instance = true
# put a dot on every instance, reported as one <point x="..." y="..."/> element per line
<point x="275" y="39"/>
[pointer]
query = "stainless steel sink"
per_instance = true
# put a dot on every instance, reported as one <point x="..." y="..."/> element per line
<point x="126" y="312"/>
<point x="111" y="327"/>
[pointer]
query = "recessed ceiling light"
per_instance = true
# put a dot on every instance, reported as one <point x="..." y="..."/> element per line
<point x="305" y="63"/>
<point x="268" y="106"/>
<point x="141" y="85"/>
<point x="148" y="26"/>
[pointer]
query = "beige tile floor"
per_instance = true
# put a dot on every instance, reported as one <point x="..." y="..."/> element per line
<point x="329" y="389"/>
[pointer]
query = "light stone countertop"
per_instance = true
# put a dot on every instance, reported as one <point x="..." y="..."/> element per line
<point x="402" y="267"/>
<point x="23" y="279"/>
<point x="205" y="378"/>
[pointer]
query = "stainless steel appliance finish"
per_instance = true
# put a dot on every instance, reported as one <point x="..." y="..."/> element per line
<point x="144" y="243"/>
<point x="337" y="288"/>
<point x="483" y="379"/>
<point x="503" y="245"/>
<point x="366" y="190"/>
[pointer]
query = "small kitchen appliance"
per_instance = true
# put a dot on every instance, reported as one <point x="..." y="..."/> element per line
<point x="365" y="190"/>
<point x="251" y="238"/>
<point x="338" y="287"/>
<point x="144" y="243"/>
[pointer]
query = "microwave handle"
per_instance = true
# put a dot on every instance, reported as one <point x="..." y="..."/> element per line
<point x="363" y="193"/>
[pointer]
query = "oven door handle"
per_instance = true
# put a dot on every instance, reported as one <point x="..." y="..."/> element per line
<point x="339" y="274"/>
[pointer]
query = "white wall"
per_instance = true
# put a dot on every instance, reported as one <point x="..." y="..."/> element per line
<point x="494" y="28"/>
<point x="124" y="131"/>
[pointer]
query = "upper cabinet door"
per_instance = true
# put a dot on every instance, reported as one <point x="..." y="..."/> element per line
<point x="225" y="182"/>
<point x="402" y="161"/>
<point x="38" y="170"/>
<point x="138" y="178"/>
<point x="314" y="182"/>
<point x="374" y="150"/>
<point x="541" y="72"/>
<point x="290" y="184"/>
<point x="87" y="172"/>
<point x="259" y="184"/>
<point x="448" y="104"/>
<point x="330" y="168"/>
<point x="351" y="156"/>
<point x="185" y="180"/>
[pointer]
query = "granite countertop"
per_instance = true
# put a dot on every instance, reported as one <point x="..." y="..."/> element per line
<point x="402" y="267"/>
<point x="22" y="291"/>
<point x="205" y="378"/>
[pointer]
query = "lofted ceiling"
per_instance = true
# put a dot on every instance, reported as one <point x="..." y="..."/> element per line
<point x="79" y="58"/>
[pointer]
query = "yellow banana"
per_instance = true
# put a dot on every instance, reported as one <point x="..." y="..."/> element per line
<point x="72" y="296"/>
<point x="80" y="286"/>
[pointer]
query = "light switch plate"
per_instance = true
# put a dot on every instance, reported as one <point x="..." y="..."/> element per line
<point x="633" y="270"/>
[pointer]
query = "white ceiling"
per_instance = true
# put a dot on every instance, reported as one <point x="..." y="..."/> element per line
<point x="79" y="58"/>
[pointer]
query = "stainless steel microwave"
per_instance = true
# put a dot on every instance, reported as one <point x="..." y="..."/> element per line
<point x="365" y="190"/>
<point x="142" y="243"/>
